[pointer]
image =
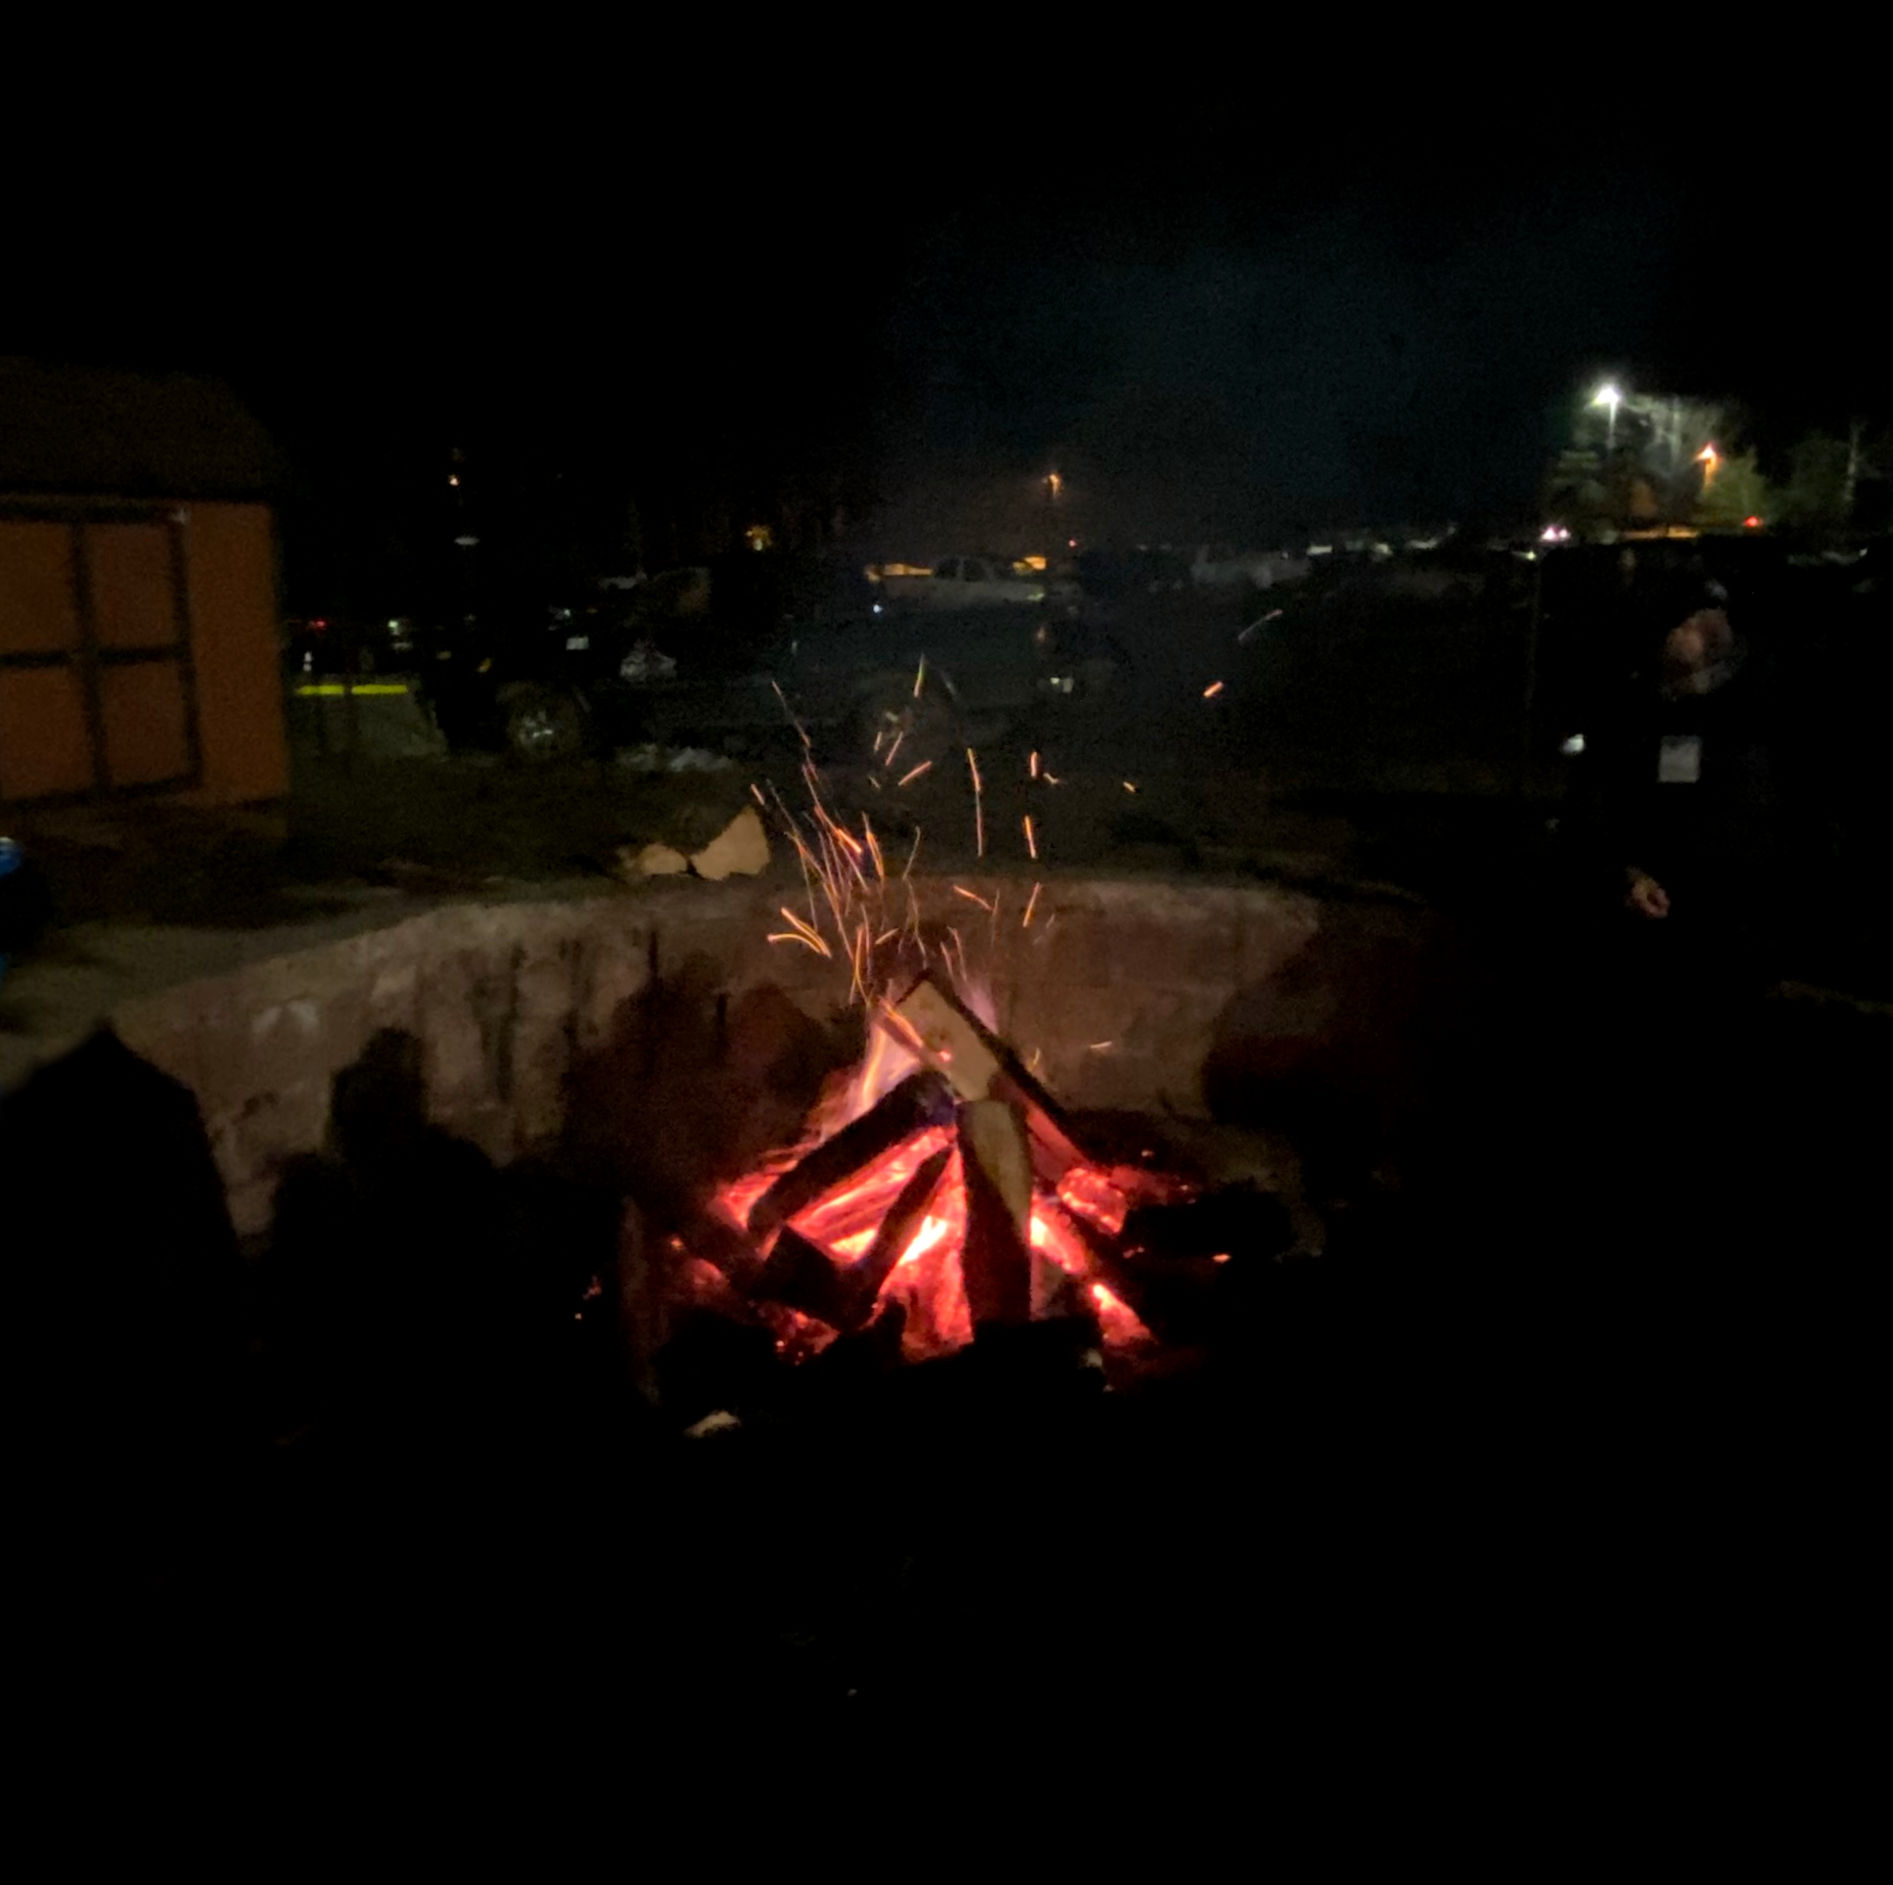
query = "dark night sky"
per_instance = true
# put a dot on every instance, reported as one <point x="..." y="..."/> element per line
<point x="1394" y="332"/>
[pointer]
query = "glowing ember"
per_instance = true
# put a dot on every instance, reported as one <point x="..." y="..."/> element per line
<point x="932" y="1232"/>
<point x="1095" y="1198"/>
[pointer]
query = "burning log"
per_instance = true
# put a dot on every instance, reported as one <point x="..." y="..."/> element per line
<point x="950" y="1038"/>
<point x="1109" y="1266"/>
<point x="995" y="1258"/>
<point x="903" y="1219"/>
<point x="714" y="1238"/>
<point x="804" y="1276"/>
<point x="922" y="1099"/>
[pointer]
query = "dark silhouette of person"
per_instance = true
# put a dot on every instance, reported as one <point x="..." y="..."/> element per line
<point x="124" y="1280"/>
<point x="1693" y="825"/>
<point x="1691" y="813"/>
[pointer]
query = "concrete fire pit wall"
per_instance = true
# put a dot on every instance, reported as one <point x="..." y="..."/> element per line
<point x="1113" y="995"/>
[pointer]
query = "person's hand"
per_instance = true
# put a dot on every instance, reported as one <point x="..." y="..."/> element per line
<point x="1646" y="896"/>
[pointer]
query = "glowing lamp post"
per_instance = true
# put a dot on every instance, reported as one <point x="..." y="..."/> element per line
<point x="1610" y="397"/>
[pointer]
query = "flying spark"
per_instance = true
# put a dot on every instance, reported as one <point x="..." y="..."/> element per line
<point x="1128" y="787"/>
<point x="1031" y="841"/>
<point x="972" y="896"/>
<point x="1212" y="690"/>
<point x="979" y="804"/>
<point x="920" y="675"/>
<point x="1031" y="904"/>
<point x="907" y="778"/>
<point x="1035" y="765"/>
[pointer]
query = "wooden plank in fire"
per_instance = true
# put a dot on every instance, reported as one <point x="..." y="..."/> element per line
<point x="922" y="1099"/>
<point x="708" y="1235"/>
<point x="996" y="1257"/>
<point x="807" y="1277"/>
<point x="803" y="1275"/>
<point x="944" y="1033"/>
<point x="904" y="1217"/>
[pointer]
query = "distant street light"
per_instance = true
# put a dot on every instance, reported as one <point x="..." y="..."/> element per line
<point x="1610" y="396"/>
<point x="1710" y="460"/>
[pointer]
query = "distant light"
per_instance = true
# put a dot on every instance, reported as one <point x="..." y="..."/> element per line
<point x="394" y="622"/>
<point x="880" y="609"/>
<point x="453" y="477"/>
<point x="1708" y="456"/>
<point x="1608" y="395"/>
<point x="1751" y="523"/>
<point x="1054" y="483"/>
<point x="1321" y="549"/>
<point x="1071" y="543"/>
<point x="1573" y="746"/>
<point x="466" y="543"/>
<point x="1554" y="533"/>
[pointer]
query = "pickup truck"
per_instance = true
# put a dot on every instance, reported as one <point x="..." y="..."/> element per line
<point x="968" y="582"/>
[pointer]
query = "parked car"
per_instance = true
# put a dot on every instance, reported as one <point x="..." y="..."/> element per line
<point x="730" y="651"/>
<point x="1216" y="566"/>
<point x="328" y="645"/>
<point x="1118" y="574"/>
<point x="969" y="582"/>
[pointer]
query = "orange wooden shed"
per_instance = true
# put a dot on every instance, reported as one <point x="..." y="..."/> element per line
<point x="139" y="648"/>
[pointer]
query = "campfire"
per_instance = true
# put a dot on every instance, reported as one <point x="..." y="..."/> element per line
<point x="939" y="1191"/>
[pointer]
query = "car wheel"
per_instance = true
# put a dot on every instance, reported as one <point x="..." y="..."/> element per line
<point x="545" y="724"/>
